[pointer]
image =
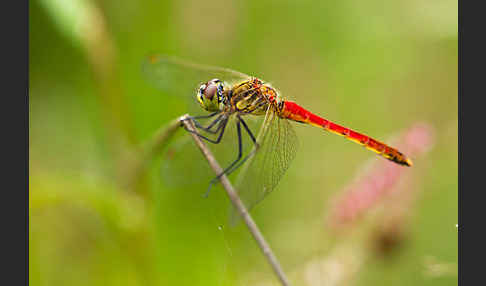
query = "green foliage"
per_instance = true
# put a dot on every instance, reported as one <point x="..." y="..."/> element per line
<point x="377" y="67"/>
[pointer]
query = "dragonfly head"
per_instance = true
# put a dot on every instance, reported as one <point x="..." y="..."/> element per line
<point x="211" y="96"/>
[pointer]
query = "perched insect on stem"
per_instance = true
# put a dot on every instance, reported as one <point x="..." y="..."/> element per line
<point x="231" y="97"/>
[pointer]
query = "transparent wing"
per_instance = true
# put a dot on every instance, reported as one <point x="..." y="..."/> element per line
<point x="177" y="77"/>
<point x="184" y="166"/>
<point x="262" y="172"/>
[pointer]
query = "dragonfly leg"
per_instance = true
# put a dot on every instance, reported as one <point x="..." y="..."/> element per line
<point x="248" y="130"/>
<point x="236" y="166"/>
<point x="202" y="116"/>
<point x="221" y="126"/>
<point x="238" y="162"/>
<point x="240" y="153"/>
<point x="199" y="125"/>
<point x="208" y="128"/>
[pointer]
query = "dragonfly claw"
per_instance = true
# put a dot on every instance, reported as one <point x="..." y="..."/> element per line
<point x="206" y="194"/>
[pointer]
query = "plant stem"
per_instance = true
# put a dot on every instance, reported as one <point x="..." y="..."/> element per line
<point x="138" y="162"/>
<point x="238" y="204"/>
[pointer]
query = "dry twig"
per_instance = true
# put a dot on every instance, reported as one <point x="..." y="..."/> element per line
<point x="137" y="163"/>
<point x="238" y="204"/>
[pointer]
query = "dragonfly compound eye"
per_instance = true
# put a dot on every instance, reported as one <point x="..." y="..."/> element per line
<point x="200" y="93"/>
<point x="210" y="95"/>
<point x="210" y="91"/>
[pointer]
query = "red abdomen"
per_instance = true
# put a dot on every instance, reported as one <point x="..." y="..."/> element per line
<point x="295" y="112"/>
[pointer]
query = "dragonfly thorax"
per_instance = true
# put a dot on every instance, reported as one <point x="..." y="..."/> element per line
<point x="211" y="95"/>
<point x="253" y="96"/>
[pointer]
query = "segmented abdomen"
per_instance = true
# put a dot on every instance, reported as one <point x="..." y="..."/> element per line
<point x="293" y="111"/>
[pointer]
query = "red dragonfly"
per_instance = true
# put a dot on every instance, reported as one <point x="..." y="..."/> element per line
<point x="231" y="96"/>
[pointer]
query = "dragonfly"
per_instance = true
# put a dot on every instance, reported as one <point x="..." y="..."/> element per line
<point x="231" y="97"/>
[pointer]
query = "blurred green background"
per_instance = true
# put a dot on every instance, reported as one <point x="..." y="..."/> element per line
<point x="377" y="67"/>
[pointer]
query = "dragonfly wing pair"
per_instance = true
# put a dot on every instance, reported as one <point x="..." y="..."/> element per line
<point x="260" y="175"/>
<point x="180" y="78"/>
<point x="277" y="141"/>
